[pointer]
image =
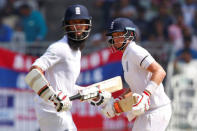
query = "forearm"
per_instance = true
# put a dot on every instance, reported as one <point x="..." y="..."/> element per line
<point x="37" y="81"/>
<point x="158" y="73"/>
<point x="158" y="76"/>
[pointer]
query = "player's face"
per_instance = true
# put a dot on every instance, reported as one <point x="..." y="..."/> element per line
<point x="79" y="26"/>
<point x="118" y="38"/>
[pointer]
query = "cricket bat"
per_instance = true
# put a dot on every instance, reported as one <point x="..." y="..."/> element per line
<point x="125" y="105"/>
<point x="110" y="85"/>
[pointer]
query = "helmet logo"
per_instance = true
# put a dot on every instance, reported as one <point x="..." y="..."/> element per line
<point x="112" y="25"/>
<point x="77" y="10"/>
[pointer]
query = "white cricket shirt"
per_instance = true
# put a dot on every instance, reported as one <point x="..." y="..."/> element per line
<point x="62" y="67"/>
<point x="135" y="61"/>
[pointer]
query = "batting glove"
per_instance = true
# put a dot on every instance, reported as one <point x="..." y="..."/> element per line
<point x="142" y="105"/>
<point x="89" y="93"/>
<point x="61" y="102"/>
<point x="102" y="99"/>
<point x="108" y="109"/>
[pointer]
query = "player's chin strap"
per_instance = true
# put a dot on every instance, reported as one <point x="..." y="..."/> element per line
<point x="127" y="37"/>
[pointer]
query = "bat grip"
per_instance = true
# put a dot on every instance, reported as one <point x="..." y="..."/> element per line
<point x="75" y="97"/>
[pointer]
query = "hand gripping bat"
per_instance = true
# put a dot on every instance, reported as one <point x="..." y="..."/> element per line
<point x="110" y="85"/>
<point x="125" y="105"/>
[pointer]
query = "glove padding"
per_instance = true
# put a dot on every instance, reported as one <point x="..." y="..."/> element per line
<point x="143" y="104"/>
<point x="108" y="109"/>
<point x="102" y="99"/>
<point x="90" y="96"/>
<point x="61" y="102"/>
<point x="88" y="93"/>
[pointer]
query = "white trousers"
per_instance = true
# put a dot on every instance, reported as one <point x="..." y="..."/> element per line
<point x="154" y="120"/>
<point x="54" y="121"/>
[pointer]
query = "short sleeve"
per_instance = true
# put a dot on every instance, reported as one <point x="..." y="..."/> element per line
<point x="52" y="56"/>
<point x="141" y="57"/>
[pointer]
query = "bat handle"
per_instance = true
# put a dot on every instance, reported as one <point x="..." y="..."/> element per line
<point x="75" y="97"/>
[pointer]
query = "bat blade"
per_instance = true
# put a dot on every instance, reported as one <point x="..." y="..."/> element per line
<point x="110" y="85"/>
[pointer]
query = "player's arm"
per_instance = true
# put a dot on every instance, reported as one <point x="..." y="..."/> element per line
<point x="143" y="101"/>
<point x="144" y="60"/>
<point x="37" y="81"/>
<point x="158" y="75"/>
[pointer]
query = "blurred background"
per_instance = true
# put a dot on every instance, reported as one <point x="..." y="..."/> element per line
<point x="167" y="28"/>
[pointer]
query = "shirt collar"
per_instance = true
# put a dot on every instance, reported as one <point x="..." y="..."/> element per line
<point x="131" y="43"/>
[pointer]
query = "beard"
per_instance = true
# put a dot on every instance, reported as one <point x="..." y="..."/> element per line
<point x="76" y="45"/>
